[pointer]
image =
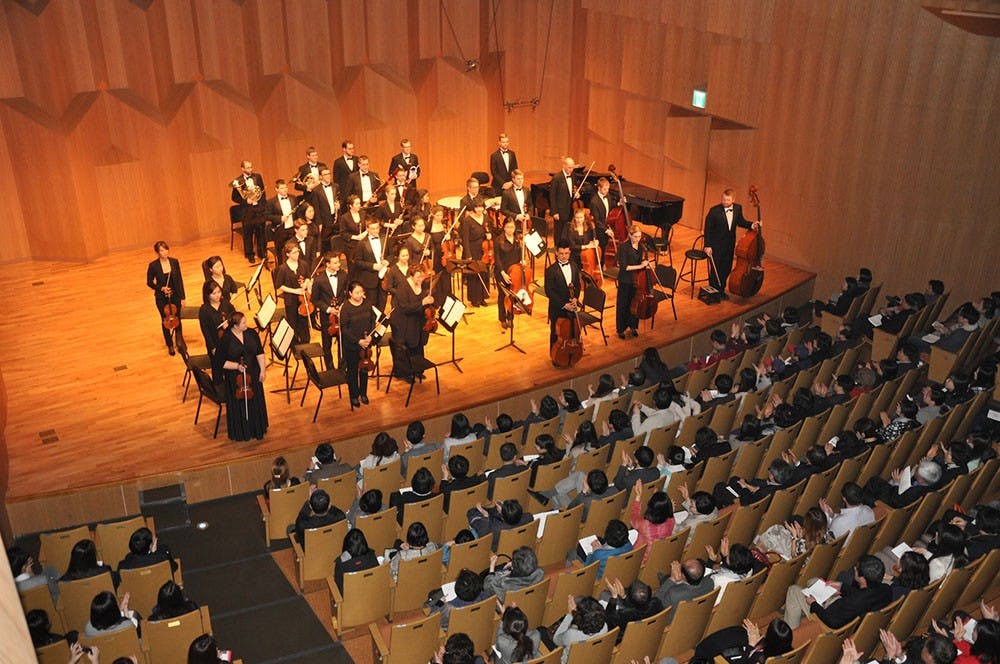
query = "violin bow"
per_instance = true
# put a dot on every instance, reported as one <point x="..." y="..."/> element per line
<point x="585" y="175"/>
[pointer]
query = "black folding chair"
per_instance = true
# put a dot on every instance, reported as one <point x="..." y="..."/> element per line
<point x="322" y="380"/>
<point x="667" y="276"/>
<point x="208" y="390"/>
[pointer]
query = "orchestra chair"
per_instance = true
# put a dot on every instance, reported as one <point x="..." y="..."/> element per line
<point x="576" y="581"/>
<point x="737" y="598"/>
<point x="642" y="637"/>
<point x="284" y="507"/>
<point x="123" y="643"/>
<point x="420" y="365"/>
<point x="54" y="653"/>
<point x="144" y="584"/>
<point x="192" y="363"/>
<point x="57" y="546"/>
<point x="514" y="538"/>
<point x="512" y="487"/>
<point x="429" y="512"/>
<point x="411" y="643"/>
<point x="532" y="600"/>
<point x="316" y="558"/>
<point x="478" y="621"/>
<point x="694" y="255"/>
<point x="552" y="657"/>
<point x="594" y="649"/>
<point x="624" y="567"/>
<point x="167" y="641"/>
<point x="322" y="380"/>
<point x="385" y="477"/>
<point x="75" y="598"/>
<point x="416" y="578"/>
<point x="342" y="489"/>
<point x="40" y="597"/>
<point x="459" y="504"/>
<point x="365" y="598"/>
<point x="662" y="552"/>
<point x="592" y="312"/>
<point x="313" y="351"/>
<point x="474" y="555"/>
<point x="112" y="538"/>
<point x="665" y="290"/>
<point x="660" y="243"/>
<point x="235" y="224"/>
<point x="560" y="537"/>
<point x="688" y="626"/>
<point x="208" y="390"/>
<point x="381" y="529"/>
<point x="771" y="594"/>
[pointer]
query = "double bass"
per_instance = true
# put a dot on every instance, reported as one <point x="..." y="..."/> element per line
<point x="618" y="222"/>
<point x="568" y="347"/>
<point x="748" y="274"/>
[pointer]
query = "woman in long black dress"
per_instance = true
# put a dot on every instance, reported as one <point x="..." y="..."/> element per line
<point x="630" y="259"/>
<point x="352" y="227"/>
<point x="581" y="236"/>
<point x="215" y="270"/>
<point x="291" y="279"/>
<point x="395" y="278"/>
<point x="240" y="353"/>
<point x="357" y="320"/>
<point x="420" y="243"/>
<point x="163" y="276"/>
<point x="213" y="316"/>
<point x="475" y="231"/>
<point x="437" y="228"/>
<point x="407" y="322"/>
<point x="506" y="253"/>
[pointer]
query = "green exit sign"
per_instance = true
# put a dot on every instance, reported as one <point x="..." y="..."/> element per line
<point x="698" y="98"/>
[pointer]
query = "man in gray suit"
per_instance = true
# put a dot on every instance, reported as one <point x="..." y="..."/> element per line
<point x="686" y="582"/>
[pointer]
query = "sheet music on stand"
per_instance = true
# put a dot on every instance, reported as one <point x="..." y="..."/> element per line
<point x="451" y="312"/>
<point x="266" y="312"/>
<point x="255" y="279"/>
<point x="283" y="338"/>
<point x="534" y="243"/>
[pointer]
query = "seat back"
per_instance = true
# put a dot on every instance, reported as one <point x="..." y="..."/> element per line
<point x="474" y="555"/>
<point x="40" y="597"/>
<point x="600" y="513"/>
<point x="746" y="521"/>
<point x="512" y="487"/>
<point x="944" y="599"/>
<point x="112" y="539"/>
<point x="857" y="544"/>
<point x="75" y="598"/>
<point x="667" y="276"/>
<point x="550" y="426"/>
<point x="904" y="621"/>
<point x="429" y="512"/>
<point x="642" y="638"/>
<point x="594" y="649"/>
<point x="749" y="457"/>
<point x="717" y="469"/>
<point x="459" y="504"/>
<point x="791" y="657"/>
<point x="531" y="600"/>
<point x="546" y="476"/>
<point x="724" y="416"/>
<point x="771" y="596"/>
<point x="624" y="567"/>
<point x="497" y="440"/>
<point x="167" y="641"/>
<point x="662" y="552"/>
<point x="816" y="488"/>
<point x="737" y="598"/>
<point x="826" y="647"/>
<point x="820" y="561"/>
<point x="551" y="657"/>
<point x="560" y="536"/>
<point x="514" y="538"/>
<point x="322" y="548"/>
<point x="414" y="642"/>
<point x="417" y="577"/>
<point x="206" y="386"/>
<point x="781" y="506"/>
<point x="386" y="478"/>
<point x="473" y="452"/>
<point x="576" y="581"/>
<point x="987" y="571"/>
<point x="867" y="634"/>
<point x="56" y="547"/>
<point x="593" y="460"/>
<point x="432" y="461"/>
<point x="123" y="643"/>
<point x="380" y="529"/>
<point x="284" y="507"/>
<point x="605" y="407"/>
<point x="892" y="524"/>
<point x="54" y="653"/>
<point x="366" y="598"/>
<point x="477" y="621"/>
<point x="921" y="518"/>
<point x="342" y="490"/>
<point x="572" y="421"/>
<point x="687" y="626"/>
<point x="143" y="584"/>
<point x="847" y="471"/>
<point x="311" y="370"/>
<point x="707" y="533"/>
<point x="594" y="298"/>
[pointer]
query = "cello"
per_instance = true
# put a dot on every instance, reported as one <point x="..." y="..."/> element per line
<point x="522" y="286"/>
<point x="748" y="274"/>
<point x="644" y="302"/>
<point x="568" y="347"/>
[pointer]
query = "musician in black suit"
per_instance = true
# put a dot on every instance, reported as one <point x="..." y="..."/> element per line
<point x="471" y="194"/>
<point x="307" y="245"/>
<point x="163" y="276"/>
<point x="343" y="167"/>
<point x="280" y="214"/>
<point x="720" y="238"/>
<point x="248" y="194"/>
<point x="503" y="163"/>
<point x="515" y="202"/>
<point x="363" y="183"/>
<point x="405" y="159"/>
<point x="563" y="287"/>
<point x="406" y="191"/>
<point x="561" y="198"/>
<point x="601" y="205"/>
<point x="312" y="167"/>
<point x="329" y="291"/>
<point x="371" y="257"/>
<point x="324" y="200"/>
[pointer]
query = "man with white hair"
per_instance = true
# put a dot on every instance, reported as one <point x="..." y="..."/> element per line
<point x="925" y="479"/>
<point x="561" y="198"/>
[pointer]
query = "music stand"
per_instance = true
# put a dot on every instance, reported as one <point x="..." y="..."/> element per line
<point x="514" y="302"/>
<point x="254" y="282"/>
<point x="264" y="317"/>
<point x="450" y="315"/>
<point x="281" y="344"/>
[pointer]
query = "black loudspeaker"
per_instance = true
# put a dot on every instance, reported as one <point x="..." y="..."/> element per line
<point x="709" y="295"/>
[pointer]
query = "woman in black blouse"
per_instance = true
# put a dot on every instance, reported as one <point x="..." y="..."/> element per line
<point x="395" y="278"/>
<point x="475" y="231"/>
<point x="407" y="321"/>
<point x="291" y="279"/>
<point x="581" y="236"/>
<point x="356" y="322"/>
<point x="215" y="270"/>
<point x="163" y="276"/>
<point x="630" y="259"/>
<point x="240" y="353"/>
<point x="213" y="316"/>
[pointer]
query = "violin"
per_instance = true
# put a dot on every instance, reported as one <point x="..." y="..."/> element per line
<point x="367" y="363"/>
<point x="170" y="319"/>
<point x="488" y="258"/>
<point x="448" y="248"/>
<point x="568" y="348"/>
<point x="748" y="275"/>
<point x="306" y="307"/>
<point x="430" y="312"/>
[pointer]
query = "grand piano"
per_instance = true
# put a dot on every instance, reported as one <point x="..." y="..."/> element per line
<point x="645" y="204"/>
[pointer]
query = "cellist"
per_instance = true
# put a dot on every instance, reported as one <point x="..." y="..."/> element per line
<point x="631" y="257"/>
<point x="563" y="287"/>
<point x="506" y="253"/>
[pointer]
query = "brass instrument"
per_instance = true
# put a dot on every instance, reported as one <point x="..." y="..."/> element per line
<point x="250" y="193"/>
<point x="310" y="183"/>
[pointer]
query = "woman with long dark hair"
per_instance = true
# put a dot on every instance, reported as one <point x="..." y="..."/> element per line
<point x="239" y="359"/>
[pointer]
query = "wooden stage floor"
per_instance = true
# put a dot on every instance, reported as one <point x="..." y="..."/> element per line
<point x="94" y="398"/>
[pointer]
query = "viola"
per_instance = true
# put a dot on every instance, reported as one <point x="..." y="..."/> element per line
<point x="748" y="274"/>
<point x="366" y="363"/>
<point x="568" y="348"/>
<point x="306" y="307"/>
<point x="244" y="389"/>
<point x="170" y="319"/>
<point x="488" y="252"/>
<point x="430" y="312"/>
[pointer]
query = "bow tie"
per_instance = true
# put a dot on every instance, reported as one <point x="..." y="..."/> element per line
<point x="364" y="175"/>
<point x="282" y="198"/>
<point x="327" y="185"/>
<point x="563" y="264"/>
<point x="503" y="152"/>
<point x="727" y="210"/>
<point x="348" y="158"/>
<point x="517" y="189"/>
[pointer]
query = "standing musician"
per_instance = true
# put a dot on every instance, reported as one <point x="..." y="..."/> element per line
<point x="313" y="166"/>
<point x="215" y="270"/>
<point x="370" y="258"/>
<point x="395" y="278"/>
<point x="356" y="323"/>
<point x="506" y="253"/>
<point x="471" y="194"/>
<point x="363" y="183"/>
<point x="343" y="167"/>
<point x="352" y="226"/>
<point x="563" y="287"/>
<point x="581" y="236"/>
<point x="329" y="289"/>
<point x="390" y="212"/>
<point x="420" y="243"/>
<point x="514" y="202"/>
<point x="280" y="212"/>
<point x="324" y="200"/>
<point x="720" y="238"/>
<point x="601" y="204"/>
<point x="561" y="194"/>
<point x="631" y="257"/>
<point x="407" y="323"/>
<point x="291" y="279"/>
<point x="307" y="245"/>
<point x="503" y="163"/>
<point x="248" y="195"/>
<point x="163" y="276"/>
<point x="438" y="230"/>
<point x="405" y="159"/>
<point x="239" y="357"/>
<point x="475" y="231"/>
<point x="406" y="190"/>
<point x="422" y="205"/>
<point x="213" y="317"/>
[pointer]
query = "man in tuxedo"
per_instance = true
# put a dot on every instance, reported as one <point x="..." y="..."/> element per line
<point x="280" y="213"/>
<point x="405" y="159"/>
<point x="343" y="167"/>
<point x="329" y="290"/>
<point x="249" y="186"/>
<point x="307" y="244"/>
<point x="720" y="238"/>
<point x="563" y="287"/>
<point x="503" y="163"/>
<point x="312" y="167"/>
<point x="406" y="190"/>
<point x="324" y="202"/>
<point x="363" y="182"/>
<point x="369" y="259"/>
<point x="471" y="194"/>
<point x="561" y="198"/>
<point x="515" y="201"/>
<point x="601" y="204"/>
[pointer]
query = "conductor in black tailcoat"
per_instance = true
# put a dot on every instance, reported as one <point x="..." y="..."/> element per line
<point x="720" y="237"/>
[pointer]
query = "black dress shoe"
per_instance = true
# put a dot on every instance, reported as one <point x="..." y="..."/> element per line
<point x="364" y="399"/>
<point x="421" y="376"/>
<point x="172" y="351"/>
<point x="355" y="403"/>
<point x="621" y="335"/>
<point x="543" y="499"/>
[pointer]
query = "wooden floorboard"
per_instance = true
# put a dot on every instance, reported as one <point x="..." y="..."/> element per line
<point x="94" y="399"/>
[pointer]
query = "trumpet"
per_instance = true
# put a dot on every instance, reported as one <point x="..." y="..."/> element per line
<point x="250" y="193"/>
